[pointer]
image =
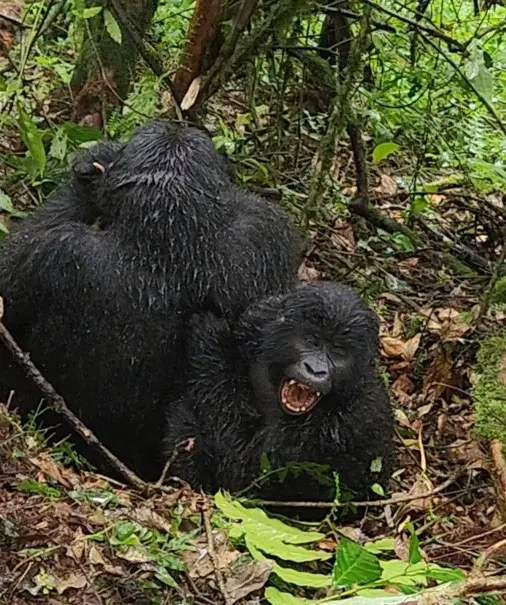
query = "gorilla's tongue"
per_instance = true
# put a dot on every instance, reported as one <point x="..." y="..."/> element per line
<point x="297" y="398"/>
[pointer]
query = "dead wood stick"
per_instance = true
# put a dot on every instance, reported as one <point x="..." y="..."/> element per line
<point x="57" y="403"/>
<point x="206" y="515"/>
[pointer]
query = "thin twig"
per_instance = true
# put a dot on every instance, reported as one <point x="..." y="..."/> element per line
<point x="206" y="515"/>
<point x="57" y="403"/>
<point x="186" y="444"/>
<point x="387" y="502"/>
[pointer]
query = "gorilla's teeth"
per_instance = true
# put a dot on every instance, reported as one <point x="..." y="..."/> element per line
<point x="292" y="382"/>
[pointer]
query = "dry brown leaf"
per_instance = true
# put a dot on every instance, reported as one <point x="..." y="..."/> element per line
<point x="199" y="562"/>
<point x="191" y="94"/>
<point x="421" y="487"/>
<point x="468" y="452"/>
<point x="342" y="236"/>
<point x="308" y="274"/>
<point x="396" y="347"/>
<point x="146" y="516"/>
<point x="447" y="323"/>
<point x="245" y="579"/>
<point x="73" y="580"/>
<point x="387" y="185"/>
<point x="398" y="327"/>
<point x="438" y="375"/>
<point x="51" y="470"/>
<point x="393" y="347"/>
<point x="403" y="387"/>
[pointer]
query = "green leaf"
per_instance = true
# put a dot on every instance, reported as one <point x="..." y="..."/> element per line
<point x="257" y="521"/>
<point x="292" y="576"/>
<point x="276" y="597"/>
<point x="377" y="489"/>
<point x="420" y="205"/>
<point x="164" y="576"/>
<point x="477" y="72"/>
<point x="88" y="13"/>
<point x="6" y="203"/>
<point x="379" y="546"/>
<point x="288" y="552"/>
<point x="444" y="574"/>
<point x="403" y="572"/>
<point x="32" y="139"/>
<point x="112" y="27"/>
<point x="377" y="465"/>
<point x="355" y="565"/>
<point x="415" y="556"/>
<point x="58" y="148"/>
<point x="383" y="150"/>
<point x="78" y="134"/>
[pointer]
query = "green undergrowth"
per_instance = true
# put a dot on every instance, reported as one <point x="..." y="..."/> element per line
<point x="368" y="574"/>
<point x="489" y="390"/>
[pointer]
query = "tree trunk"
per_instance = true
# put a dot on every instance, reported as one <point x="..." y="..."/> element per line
<point x="201" y="34"/>
<point x="104" y="68"/>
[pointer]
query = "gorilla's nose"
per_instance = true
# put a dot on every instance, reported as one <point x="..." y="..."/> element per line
<point x="315" y="372"/>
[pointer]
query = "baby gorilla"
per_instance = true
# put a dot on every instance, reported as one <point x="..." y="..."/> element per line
<point x="295" y="379"/>
<point x="101" y="311"/>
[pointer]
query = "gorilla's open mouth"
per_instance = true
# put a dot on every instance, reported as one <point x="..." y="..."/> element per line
<point x="296" y="397"/>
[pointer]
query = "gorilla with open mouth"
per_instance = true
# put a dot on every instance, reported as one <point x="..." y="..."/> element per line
<point x="294" y="380"/>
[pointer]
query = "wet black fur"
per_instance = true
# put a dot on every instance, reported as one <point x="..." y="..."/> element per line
<point x="231" y="402"/>
<point x="100" y="311"/>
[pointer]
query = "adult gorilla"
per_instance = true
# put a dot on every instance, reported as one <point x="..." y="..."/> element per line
<point x="101" y="311"/>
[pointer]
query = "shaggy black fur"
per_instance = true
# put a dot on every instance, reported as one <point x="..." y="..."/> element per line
<point x="321" y="335"/>
<point x="101" y="311"/>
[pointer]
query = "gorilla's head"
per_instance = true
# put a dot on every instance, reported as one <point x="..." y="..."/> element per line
<point x="306" y="349"/>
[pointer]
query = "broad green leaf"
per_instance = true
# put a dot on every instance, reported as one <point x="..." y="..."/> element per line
<point x="6" y="203"/>
<point x="292" y="576"/>
<point x="58" y="148"/>
<point x="288" y="552"/>
<point x="88" y="13"/>
<point x="3" y="229"/>
<point x="355" y="565"/>
<point x="78" y="134"/>
<point x="383" y="150"/>
<point x="385" y="544"/>
<point x="276" y="597"/>
<point x="444" y="574"/>
<point x="112" y="27"/>
<point x="258" y="521"/>
<point x="477" y="72"/>
<point x="403" y="572"/>
<point x="32" y="139"/>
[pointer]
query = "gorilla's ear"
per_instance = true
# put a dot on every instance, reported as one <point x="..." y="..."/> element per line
<point x="87" y="169"/>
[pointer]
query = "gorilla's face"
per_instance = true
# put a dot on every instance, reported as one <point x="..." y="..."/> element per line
<point x="320" y="341"/>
